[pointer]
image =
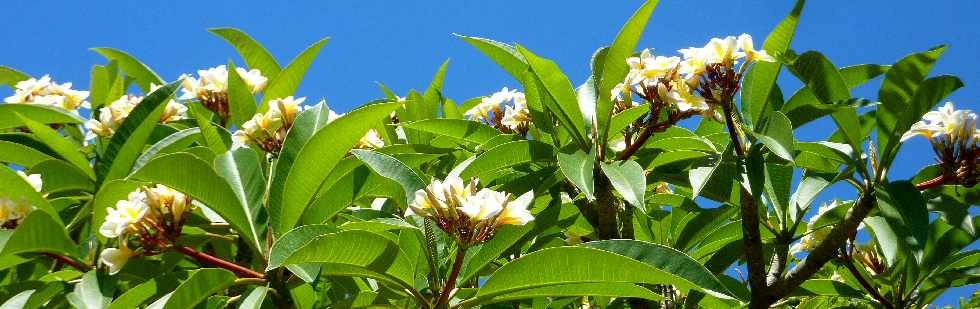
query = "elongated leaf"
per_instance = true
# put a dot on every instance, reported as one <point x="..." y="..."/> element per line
<point x="17" y="189"/>
<point x="604" y="289"/>
<point x="137" y="295"/>
<point x="776" y="132"/>
<point x="241" y="103"/>
<point x="172" y="143"/>
<point x="60" y="176"/>
<point x="374" y="257"/>
<point x="762" y="75"/>
<point x="464" y="130"/>
<point x="40" y="232"/>
<point x="614" y="67"/>
<point x="565" y="103"/>
<point x="242" y="170"/>
<point x="904" y="211"/>
<point x="20" y="154"/>
<point x="210" y="133"/>
<point x="563" y="265"/>
<point x="201" y="284"/>
<point x="629" y="180"/>
<point x="507" y="155"/>
<point x="803" y="107"/>
<point x="702" y="172"/>
<point x="827" y="84"/>
<point x="391" y="168"/>
<point x="676" y="263"/>
<point x="10" y="77"/>
<point x="39" y="113"/>
<point x="305" y="124"/>
<point x="287" y="81"/>
<point x="927" y="95"/>
<point x="255" y="56"/>
<point x="62" y="146"/>
<point x="296" y="238"/>
<point x="506" y="56"/>
<point x="128" y="140"/>
<point x="255" y="298"/>
<point x="317" y="158"/>
<point x="577" y="167"/>
<point x="140" y="73"/>
<point x="192" y="176"/>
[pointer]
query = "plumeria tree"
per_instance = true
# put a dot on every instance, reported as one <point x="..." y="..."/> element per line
<point x="227" y="188"/>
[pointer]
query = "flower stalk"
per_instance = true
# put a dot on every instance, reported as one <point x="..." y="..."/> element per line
<point x="212" y="260"/>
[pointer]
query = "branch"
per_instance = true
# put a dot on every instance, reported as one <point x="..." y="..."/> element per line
<point x="208" y="259"/>
<point x="69" y="261"/>
<point x="932" y="183"/>
<point x="451" y="282"/>
<point x="827" y="249"/>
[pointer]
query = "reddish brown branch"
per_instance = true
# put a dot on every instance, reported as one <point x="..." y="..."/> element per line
<point x="932" y="183"/>
<point x="864" y="283"/>
<point x="206" y="258"/>
<point x="451" y="282"/>
<point x="69" y="261"/>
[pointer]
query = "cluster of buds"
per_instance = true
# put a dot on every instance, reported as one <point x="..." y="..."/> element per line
<point x="13" y="212"/>
<point x="370" y="140"/>
<point x="113" y="115"/>
<point x="954" y="137"/>
<point x="211" y="87"/>
<point x="869" y="257"/>
<point x="701" y="82"/>
<point x="505" y="110"/>
<point x="146" y="223"/>
<point x="268" y="131"/>
<point x="44" y="91"/>
<point x="468" y="214"/>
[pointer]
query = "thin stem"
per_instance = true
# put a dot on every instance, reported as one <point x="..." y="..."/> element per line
<point x="849" y="263"/>
<point x="69" y="261"/>
<point x="209" y="259"/>
<point x="932" y="183"/>
<point x="451" y="282"/>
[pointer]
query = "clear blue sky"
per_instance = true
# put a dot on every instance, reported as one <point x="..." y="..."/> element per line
<point x="402" y="44"/>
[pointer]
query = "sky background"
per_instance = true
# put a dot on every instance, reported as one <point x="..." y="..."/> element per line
<point x="402" y="44"/>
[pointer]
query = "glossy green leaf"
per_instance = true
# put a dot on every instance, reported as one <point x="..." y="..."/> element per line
<point x="286" y="82"/>
<point x="241" y="102"/>
<point x="255" y="56"/>
<point x="762" y="75"/>
<point x="40" y="232"/>
<point x="577" y="167"/>
<point x="20" y="154"/>
<point x="803" y="107"/>
<point x="306" y="123"/>
<point x="506" y="56"/>
<point x="827" y="84"/>
<point x="628" y="178"/>
<point x="508" y="155"/>
<point x="63" y="147"/>
<point x="10" y="77"/>
<point x="201" y="284"/>
<point x="391" y="168"/>
<point x="172" y="143"/>
<point x="242" y="170"/>
<point x="16" y="188"/>
<point x="458" y="129"/>
<point x="137" y="295"/>
<point x="292" y="240"/>
<point x="776" y="132"/>
<point x="89" y="293"/>
<point x="317" y="158"/>
<point x="565" y="102"/>
<point x="39" y="113"/>
<point x="140" y="73"/>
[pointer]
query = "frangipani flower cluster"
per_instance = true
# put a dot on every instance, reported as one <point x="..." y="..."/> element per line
<point x="467" y="213"/>
<point x="817" y="233"/>
<point x="370" y="140"/>
<point x="44" y="91"/>
<point x="113" y="115"/>
<point x="211" y="87"/>
<point x="954" y="137"/>
<point x="145" y="223"/>
<point x="698" y="82"/>
<point x="505" y="110"/>
<point x="268" y="131"/>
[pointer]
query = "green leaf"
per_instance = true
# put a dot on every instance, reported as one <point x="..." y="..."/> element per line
<point x="762" y="75"/>
<point x="255" y="56"/>
<point x="927" y="95"/>
<point x="20" y="154"/>
<point x="317" y="158"/>
<point x="508" y="155"/>
<point x="563" y="265"/>
<point x="629" y="180"/>
<point x="62" y="146"/>
<point x="39" y="113"/>
<point x="241" y="102"/>
<point x="89" y="293"/>
<point x="828" y="287"/>
<point x="107" y="196"/>
<point x="702" y="172"/>
<point x="577" y="167"/>
<point x="391" y="168"/>
<point x="210" y="134"/>
<point x="803" y="107"/>
<point x="201" y="284"/>
<point x="127" y="142"/>
<point x="140" y="73"/>
<point x="603" y="289"/>
<point x="10" y="77"/>
<point x="678" y="265"/>
<point x="192" y="176"/>
<point x="137" y="295"/>
<point x="40" y="232"/>
<point x="285" y="83"/>
<point x="61" y="176"/>
<point x="506" y="56"/>
<point x="242" y="170"/>
<point x="374" y="257"/>
<point x="776" y="132"/>
<point x="255" y="298"/>
<point x="779" y="178"/>
<point x="614" y="67"/>
<point x="306" y="123"/>
<point x="905" y="211"/>
<point x="293" y="240"/>
<point x="458" y="129"/>
<point x="16" y="188"/>
<point x="565" y="102"/>
<point x="177" y="141"/>
<point x="827" y="84"/>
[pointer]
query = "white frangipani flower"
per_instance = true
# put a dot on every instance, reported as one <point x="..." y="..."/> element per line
<point x="751" y="54"/>
<point x="485" y="204"/>
<point x="505" y="110"/>
<point x="370" y="140"/>
<point x="128" y="212"/>
<point x="33" y="179"/>
<point x="515" y="212"/>
<point x="115" y="258"/>
<point x="44" y="91"/>
<point x="13" y="212"/>
<point x="723" y="51"/>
